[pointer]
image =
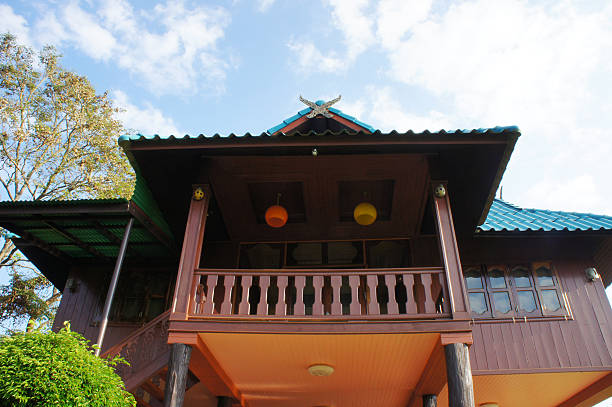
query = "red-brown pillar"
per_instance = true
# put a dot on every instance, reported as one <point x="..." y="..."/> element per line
<point x="192" y="248"/>
<point x="449" y="250"/>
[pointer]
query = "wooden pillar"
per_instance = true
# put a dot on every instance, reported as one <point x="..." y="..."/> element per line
<point x="459" y="375"/>
<point x="178" y="367"/>
<point x="430" y="400"/>
<point x="450" y="251"/>
<point x="190" y="255"/>
<point x="224" y="401"/>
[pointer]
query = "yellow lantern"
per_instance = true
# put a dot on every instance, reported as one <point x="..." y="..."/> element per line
<point x="365" y="213"/>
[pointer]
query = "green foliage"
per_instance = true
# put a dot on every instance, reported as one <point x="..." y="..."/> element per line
<point x="57" y="369"/>
<point x="58" y="140"/>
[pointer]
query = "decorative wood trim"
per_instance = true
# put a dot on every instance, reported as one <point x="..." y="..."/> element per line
<point x="542" y="370"/>
<point x="300" y="326"/>
<point x="259" y="142"/>
<point x="602" y="387"/>
<point x="190" y="255"/>
<point x="456" y="337"/>
<point x="450" y="253"/>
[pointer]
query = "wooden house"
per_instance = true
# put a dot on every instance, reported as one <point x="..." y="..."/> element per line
<point x="440" y="294"/>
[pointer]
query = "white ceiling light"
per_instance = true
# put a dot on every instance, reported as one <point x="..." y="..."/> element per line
<point x="320" y="370"/>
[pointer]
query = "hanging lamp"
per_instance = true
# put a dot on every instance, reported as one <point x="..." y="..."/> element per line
<point x="365" y="214"/>
<point x="276" y="215"/>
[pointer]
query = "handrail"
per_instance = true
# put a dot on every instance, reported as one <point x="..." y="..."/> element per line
<point x="113" y="350"/>
<point x="411" y="292"/>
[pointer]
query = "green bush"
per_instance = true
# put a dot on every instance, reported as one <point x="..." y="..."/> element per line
<point x="57" y="369"/>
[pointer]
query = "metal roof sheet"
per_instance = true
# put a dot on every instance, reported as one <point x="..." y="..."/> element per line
<point x="506" y="217"/>
<point x="125" y="139"/>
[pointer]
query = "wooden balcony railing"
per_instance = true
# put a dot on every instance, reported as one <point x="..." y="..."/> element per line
<point x="401" y="293"/>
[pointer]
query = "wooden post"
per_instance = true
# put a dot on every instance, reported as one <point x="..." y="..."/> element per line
<point x="190" y="255"/>
<point x="450" y="251"/>
<point x="176" y="379"/>
<point x="224" y="401"/>
<point x="459" y="375"/>
<point x="430" y="400"/>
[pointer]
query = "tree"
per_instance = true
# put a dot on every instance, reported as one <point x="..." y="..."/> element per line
<point x="57" y="369"/>
<point x="58" y="140"/>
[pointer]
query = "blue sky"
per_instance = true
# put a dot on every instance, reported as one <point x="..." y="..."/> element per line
<point x="236" y="66"/>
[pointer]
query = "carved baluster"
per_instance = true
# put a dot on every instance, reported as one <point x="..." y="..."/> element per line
<point x="243" y="308"/>
<point x="209" y="305"/>
<point x="373" y="307"/>
<point x="411" y="306"/>
<point x="226" y="305"/>
<point x="193" y="299"/>
<point x="392" y="307"/>
<point x="317" y="284"/>
<point x="355" y="307"/>
<point x="445" y="301"/>
<point x="281" y="306"/>
<point x="430" y="305"/>
<point x="200" y="298"/>
<point x="336" y="283"/>
<point x="262" y="307"/>
<point x="300" y="283"/>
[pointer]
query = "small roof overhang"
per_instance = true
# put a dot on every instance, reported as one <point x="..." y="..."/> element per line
<point x="55" y="235"/>
<point x="473" y="161"/>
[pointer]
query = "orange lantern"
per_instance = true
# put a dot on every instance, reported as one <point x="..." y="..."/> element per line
<point x="276" y="216"/>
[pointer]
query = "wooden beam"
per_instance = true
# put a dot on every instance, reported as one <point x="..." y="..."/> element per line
<point x="178" y="367"/>
<point x="205" y="367"/>
<point x="190" y="255"/>
<point x="148" y="223"/>
<point x="432" y="379"/>
<point x="29" y="238"/>
<point x="596" y="392"/>
<point x="459" y="375"/>
<point x="450" y="252"/>
<point x="76" y="240"/>
<point x="352" y="141"/>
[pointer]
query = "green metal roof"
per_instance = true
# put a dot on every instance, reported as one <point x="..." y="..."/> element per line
<point x="506" y="217"/>
<point x="56" y="234"/>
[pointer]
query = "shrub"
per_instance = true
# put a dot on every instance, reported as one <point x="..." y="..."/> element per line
<point x="57" y="369"/>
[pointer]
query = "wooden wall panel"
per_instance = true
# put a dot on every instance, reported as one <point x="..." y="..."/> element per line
<point x="584" y="343"/>
<point x="79" y="306"/>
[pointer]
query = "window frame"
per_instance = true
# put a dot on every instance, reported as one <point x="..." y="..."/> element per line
<point x="513" y="290"/>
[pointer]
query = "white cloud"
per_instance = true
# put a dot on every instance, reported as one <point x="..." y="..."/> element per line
<point x="264" y="5"/>
<point x="171" y="48"/>
<point x="383" y="110"/>
<point x="147" y="120"/>
<point x="395" y="18"/>
<point x="309" y="59"/>
<point x="14" y="24"/>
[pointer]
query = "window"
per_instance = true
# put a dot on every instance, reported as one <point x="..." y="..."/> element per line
<point x="521" y="290"/>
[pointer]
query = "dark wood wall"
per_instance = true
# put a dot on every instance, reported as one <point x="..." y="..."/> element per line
<point x="82" y="303"/>
<point x="584" y="343"/>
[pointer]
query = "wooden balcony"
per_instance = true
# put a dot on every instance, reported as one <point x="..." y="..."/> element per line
<point x="321" y="294"/>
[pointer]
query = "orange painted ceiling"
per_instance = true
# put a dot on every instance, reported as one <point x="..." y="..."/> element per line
<point x="527" y="390"/>
<point x="370" y="370"/>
